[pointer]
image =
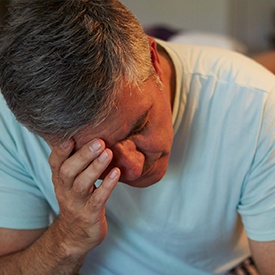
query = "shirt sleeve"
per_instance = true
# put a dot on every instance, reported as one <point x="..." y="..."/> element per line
<point x="257" y="203"/>
<point x="22" y="204"/>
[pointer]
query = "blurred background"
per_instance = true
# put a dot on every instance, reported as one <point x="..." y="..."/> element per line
<point x="249" y="23"/>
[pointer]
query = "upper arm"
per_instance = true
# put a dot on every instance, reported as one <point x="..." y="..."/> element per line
<point x="13" y="240"/>
<point x="264" y="256"/>
<point x="267" y="59"/>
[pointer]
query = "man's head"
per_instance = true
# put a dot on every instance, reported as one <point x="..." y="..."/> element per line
<point x="85" y="69"/>
<point x="63" y="62"/>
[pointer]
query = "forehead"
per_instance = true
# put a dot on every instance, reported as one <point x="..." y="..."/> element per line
<point x="131" y="105"/>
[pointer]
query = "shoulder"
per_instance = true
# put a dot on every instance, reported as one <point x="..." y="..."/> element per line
<point x="16" y="140"/>
<point x="223" y="65"/>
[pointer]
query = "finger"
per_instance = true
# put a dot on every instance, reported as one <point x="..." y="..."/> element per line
<point x="59" y="154"/>
<point x="100" y="196"/>
<point x="79" y="161"/>
<point x="84" y="182"/>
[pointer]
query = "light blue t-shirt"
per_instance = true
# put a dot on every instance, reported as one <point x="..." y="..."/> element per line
<point x="221" y="175"/>
<point x="26" y="190"/>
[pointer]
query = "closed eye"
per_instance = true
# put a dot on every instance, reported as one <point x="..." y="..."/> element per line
<point x="140" y="126"/>
<point x="141" y="130"/>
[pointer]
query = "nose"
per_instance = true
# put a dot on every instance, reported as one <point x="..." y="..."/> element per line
<point x="128" y="159"/>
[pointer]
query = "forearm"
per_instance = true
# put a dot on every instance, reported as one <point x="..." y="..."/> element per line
<point x="266" y="59"/>
<point x="48" y="255"/>
<point x="263" y="254"/>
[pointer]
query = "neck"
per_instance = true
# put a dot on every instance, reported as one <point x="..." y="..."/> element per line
<point x="168" y="74"/>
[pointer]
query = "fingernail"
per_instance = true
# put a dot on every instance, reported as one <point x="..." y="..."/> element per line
<point x="95" y="145"/>
<point x="103" y="156"/>
<point x="113" y="174"/>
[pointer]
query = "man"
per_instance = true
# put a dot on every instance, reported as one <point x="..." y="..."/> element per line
<point x="191" y="127"/>
<point x="267" y="59"/>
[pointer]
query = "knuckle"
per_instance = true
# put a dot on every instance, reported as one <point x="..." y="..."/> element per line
<point x="96" y="167"/>
<point x="65" y="172"/>
<point x="107" y="188"/>
<point x="96" y="201"/>
<point x="84" y="154"/>
<point x="100" y="164"/>
<point x="93" y="171"/>
<point x="79" y="187"/>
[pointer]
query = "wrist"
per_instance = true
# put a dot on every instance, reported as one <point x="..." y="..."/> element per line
<point x="68" y="242"/>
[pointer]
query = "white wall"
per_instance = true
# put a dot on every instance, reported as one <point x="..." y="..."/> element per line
<point x="253" y="22"/>
<point x="206" y="15"/>
<point x="250" y="21"/>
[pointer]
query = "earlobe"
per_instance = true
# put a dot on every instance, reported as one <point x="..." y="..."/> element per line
<point x="155" y="56"/>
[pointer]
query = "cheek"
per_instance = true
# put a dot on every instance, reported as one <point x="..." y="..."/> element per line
<point x="159" y="135"/>
<point x="162" y="129"/>
<point x="159" y="140"/>
<point x="163" y="132"/>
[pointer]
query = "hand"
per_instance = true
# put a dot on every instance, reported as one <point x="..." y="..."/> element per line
<point x="82" y="222"/>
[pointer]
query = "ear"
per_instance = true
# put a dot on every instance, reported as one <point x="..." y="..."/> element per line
<point x="155" y="56"/>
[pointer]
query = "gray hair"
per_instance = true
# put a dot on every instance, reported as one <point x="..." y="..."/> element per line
<point x="63" y="62"/>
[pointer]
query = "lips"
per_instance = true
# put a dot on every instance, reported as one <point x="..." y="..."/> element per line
<point x="148" y="169"/>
